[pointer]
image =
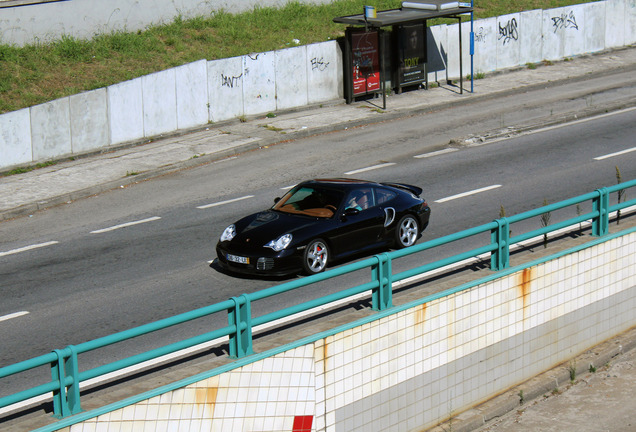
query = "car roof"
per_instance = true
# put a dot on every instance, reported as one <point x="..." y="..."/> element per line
<point x="347" y="184"/>
<point x="341" y="183"/>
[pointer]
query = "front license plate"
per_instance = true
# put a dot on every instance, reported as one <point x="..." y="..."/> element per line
<point x="237" y="259"/>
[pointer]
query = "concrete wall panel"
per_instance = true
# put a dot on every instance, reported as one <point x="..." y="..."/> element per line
<point x="324" y="72"/>
<point x="225" y="89"/>
<point x="594" y="26"/>
<point x="51" y="129"/>
<point x="614" y="23"/>
<point x="530" y="36"/>
<point x="437" y="52"/>
<point x="291" y="77"/>
<point x="576" y="31"/>
<point x="125" y="111"/>
<point x="630" y="22"/>
<point x="192" y="94"/>
<point x="508" y="44"/>
<point x="259" y="83"/>
<point x="453" y="65"/>
<point x="89" y="121"/>
<point x="160" y="102"/>
<point x="15" y="136"/>
<point x="563" y="30"/>
<point x="486" y="45"/>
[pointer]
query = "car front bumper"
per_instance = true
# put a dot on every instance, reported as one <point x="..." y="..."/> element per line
<point x="266" y="263"/>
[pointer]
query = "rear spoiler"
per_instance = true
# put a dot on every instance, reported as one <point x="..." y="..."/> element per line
<point x="413" y="189"/>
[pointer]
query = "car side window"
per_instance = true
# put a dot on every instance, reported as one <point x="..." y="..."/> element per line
<point x="384" y="195"/>
<point x="360" y="199"/>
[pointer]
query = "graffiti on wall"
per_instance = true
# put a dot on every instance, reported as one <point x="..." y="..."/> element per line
<point x="319" y="64"/>
<point x="509" y="32"/>
<point x="564" y="21"/>
<point x="230" y="81"/>
<point x="480" y="35"/>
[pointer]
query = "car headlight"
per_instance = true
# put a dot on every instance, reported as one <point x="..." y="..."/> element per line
<point x="229" y="233"/>
<point x="280" y="243"/>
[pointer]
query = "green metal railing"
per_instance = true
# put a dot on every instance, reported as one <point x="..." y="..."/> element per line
<point x="66" y="377"/>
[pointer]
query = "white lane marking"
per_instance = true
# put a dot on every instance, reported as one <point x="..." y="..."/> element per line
<point x="435" y="153"/>
<point x="225" y="202"/>
<point x="27" y="248"/>
<point x="607" y="156"/>
<point x="465" y="194"/>
<point x="124" y="225"/>
<point x="13" y="315"/>
<point x="370" y="168"/>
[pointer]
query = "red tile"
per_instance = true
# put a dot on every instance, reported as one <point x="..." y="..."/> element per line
<point x="302" y="423"/>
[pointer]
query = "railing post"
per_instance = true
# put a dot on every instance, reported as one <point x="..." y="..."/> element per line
<point x="600" y="224"/>
<point x="73" y="393"/>
<point x="241" y="317"/>
<point x="383" y="295"/>
<point x="500" y="259"/>
<point x="65" y="403"/>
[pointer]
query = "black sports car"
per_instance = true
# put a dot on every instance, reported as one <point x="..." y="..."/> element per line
<point x="319" y="221"/>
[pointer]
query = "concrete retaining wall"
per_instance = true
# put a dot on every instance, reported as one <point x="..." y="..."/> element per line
<point x="414" y="367"/>
<point x="194" y="94"/>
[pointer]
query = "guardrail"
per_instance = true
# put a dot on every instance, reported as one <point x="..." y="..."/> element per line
<point x="64" y="364"/>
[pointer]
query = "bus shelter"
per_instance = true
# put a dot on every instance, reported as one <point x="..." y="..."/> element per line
<point x="367" y="47"/>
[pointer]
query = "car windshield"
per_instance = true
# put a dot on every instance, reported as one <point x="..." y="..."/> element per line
<point x="310" y="201"/>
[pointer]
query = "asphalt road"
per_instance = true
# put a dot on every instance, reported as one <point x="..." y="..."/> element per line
<point x="100" y="277"/>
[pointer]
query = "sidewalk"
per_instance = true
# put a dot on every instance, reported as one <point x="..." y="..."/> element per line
<point x="66" y="181"/>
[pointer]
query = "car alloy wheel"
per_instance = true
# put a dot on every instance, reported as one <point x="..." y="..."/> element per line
<point x="407" y="232"/>
<point x="316" y="256"/>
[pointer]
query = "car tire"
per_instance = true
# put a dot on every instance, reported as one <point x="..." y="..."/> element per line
<point x="407" y="232"/>
<point x="316" y="257"/>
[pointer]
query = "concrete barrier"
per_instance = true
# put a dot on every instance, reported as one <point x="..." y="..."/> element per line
<point x="324" y="72"/>
<point x="192" y="94"/>
<point x="412" y="366"/>
<point x="291" y="77"/>
<point x="51" y="129"/>
<point x="15" y="146"/>
<point x="530" y="37"/>
<point x="159" y="102"/>
<point x="212" y="91"/>
<point x="89" y="121"/>
<point x="125" y="111"/>
<point x="225" y="89"/>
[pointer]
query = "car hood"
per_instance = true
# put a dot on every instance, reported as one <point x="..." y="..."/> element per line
<point x="260" y="228"/>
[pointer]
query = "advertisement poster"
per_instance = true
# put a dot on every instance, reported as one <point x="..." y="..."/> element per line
<point x="412" y="53"/>
<point x="366" y="62"/>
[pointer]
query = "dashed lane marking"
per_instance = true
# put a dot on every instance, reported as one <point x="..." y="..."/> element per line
<point x="124" y="225"/>
<point x="28" y="248"/>
<point x="435" y="153"/>
<point x="206" y="206"/>
<point x="465" y="194"/>
<point x="13" y="315"/>
<point x="374" y="167"/>
<point x="610" y="155"/>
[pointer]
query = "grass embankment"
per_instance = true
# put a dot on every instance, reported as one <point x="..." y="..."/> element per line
<point x="38" y="73"/>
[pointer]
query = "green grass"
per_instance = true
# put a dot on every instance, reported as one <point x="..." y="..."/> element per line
<point x="39" y="73"/>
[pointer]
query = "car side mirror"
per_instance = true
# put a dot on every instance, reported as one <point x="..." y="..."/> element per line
<point x="276" y="200"/>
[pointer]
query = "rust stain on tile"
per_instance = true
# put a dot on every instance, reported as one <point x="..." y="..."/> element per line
<point x="420" y="314"/>
<point x="524" y="285"/>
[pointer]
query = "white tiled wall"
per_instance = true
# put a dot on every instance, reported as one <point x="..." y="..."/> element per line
<point x="415" y="367"/>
